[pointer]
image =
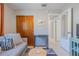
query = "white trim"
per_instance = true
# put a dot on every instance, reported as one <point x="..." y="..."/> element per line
<point x="66" y="11"/>
<point x="54" y="14"/>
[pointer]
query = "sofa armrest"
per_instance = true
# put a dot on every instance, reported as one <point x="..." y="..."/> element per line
<point x="25" y="40"/>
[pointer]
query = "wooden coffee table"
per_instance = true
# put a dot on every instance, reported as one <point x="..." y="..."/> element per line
<point x="37" y="52"/>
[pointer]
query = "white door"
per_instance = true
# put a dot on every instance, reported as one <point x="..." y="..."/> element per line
<point x="66" y="19"/>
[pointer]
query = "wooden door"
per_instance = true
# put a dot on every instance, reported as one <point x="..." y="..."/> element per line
<point x="25" y="26"/>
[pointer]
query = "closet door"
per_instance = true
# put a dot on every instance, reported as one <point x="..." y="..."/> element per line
<point x="20" y="20"/>
<point x="25" y="26"/>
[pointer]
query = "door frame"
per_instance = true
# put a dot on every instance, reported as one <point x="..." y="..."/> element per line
<point x="54" y="35"/>
<point x="66" y="41"/>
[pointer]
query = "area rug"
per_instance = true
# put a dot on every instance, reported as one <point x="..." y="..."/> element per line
<point x="50" y="52"/>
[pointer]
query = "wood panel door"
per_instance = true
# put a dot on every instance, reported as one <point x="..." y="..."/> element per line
<point x="25" y="26"/>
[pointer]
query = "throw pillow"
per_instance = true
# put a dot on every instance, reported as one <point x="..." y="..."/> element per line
<point x="7" y="44"/>
<point x="1" y="38"/>
<point x="16" y="38"/>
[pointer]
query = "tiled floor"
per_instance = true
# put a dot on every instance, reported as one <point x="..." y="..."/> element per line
<point x="59" y="50"/>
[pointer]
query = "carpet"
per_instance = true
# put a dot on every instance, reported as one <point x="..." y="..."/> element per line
<point x="50" y="52"/>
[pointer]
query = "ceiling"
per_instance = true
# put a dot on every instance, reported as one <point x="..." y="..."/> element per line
<point x="36" y="6"/>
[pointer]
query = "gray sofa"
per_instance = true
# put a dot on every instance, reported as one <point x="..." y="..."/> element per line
<point x="18" y="50"/>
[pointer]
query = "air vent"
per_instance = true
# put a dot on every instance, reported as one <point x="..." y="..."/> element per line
<point x="44" y="5"/>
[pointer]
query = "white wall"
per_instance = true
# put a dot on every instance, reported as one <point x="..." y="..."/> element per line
<point x="43" y="15"/>
<point x="9" y="20"/>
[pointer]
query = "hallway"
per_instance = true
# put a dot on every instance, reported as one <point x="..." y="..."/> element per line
<point x="58" y="49"/>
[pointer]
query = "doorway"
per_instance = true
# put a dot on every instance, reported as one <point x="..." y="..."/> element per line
<point x="25" y="26"/>
<point x="66" y="29"/>
<point x="54" y="28"/>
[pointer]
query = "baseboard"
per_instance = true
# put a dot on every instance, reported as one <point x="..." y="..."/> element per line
<point x="30" y="46"/>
